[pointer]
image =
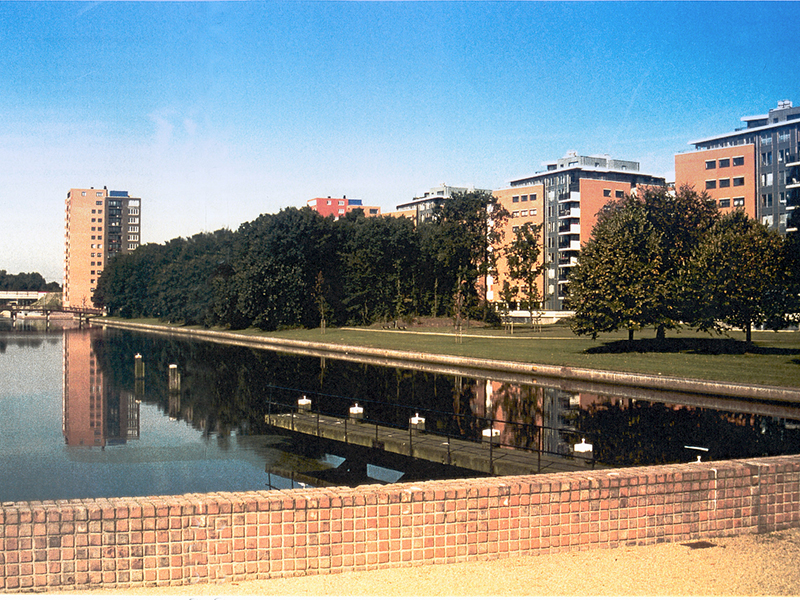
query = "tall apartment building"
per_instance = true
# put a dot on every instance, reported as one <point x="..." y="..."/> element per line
<point x="566" y="198"/>
<point x="339" y="207"/>
<point x="98" y="223"/>
<point x="751" y="168"/>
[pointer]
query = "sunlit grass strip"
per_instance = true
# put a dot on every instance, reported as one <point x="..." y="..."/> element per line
<point x="778" y="362"/>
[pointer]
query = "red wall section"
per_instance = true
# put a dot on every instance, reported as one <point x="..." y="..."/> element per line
<point x="176" y="540"/>
<point x="690" y="169"/>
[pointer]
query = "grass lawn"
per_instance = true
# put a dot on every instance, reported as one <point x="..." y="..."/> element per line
<point x="774" y="358"/>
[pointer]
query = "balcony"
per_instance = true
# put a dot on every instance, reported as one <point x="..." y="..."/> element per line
<point x="572" y="212"/>
<point x="569" y="229"/>
<point x="567" y="260"/>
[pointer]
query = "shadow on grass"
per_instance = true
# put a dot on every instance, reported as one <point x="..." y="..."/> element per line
<point x="691" y="346"/>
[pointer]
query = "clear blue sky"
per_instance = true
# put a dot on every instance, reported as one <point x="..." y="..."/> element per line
<point x="214" y="113"/>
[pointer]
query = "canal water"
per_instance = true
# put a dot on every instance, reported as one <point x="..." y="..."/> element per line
<point x="77" y="422"/>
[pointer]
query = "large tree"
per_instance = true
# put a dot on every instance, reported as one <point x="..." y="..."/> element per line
<point x="468" y="229"/>
<point x="613" y="285"/>
<point x="734" y="277"/>
<point x="630" y="273"/>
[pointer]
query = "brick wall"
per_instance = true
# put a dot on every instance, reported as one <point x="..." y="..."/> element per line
<point x="176" y="540"/>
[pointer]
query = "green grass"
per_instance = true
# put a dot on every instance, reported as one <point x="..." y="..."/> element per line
<point x="773" y="359"/>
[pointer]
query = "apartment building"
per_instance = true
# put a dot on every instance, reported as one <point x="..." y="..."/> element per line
<point x="98" y="224"/>
<point x="339" y="207"/>
<point x="754" y="168"/>
<point x="566" y="198"/>
<point x="422" y="207"/>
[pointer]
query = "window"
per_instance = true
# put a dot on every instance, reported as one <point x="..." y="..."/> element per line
<point x="738" y="181"/>
<point x="515" y="214"/>
<point x="738" y="161"/>
<point x="783" y="137"/>
<point x="724" y="163"/>
<point x="619" y="193"/>
<point x="724" y="183"/>
<point x="711" y="164"/>
<point x="738" y="201"/>
<point x="711" y="184"/>
<point x="524" y="213"/>
<point x="533" y="197"/>
<point x="766" y="158"/>
<point x="534" y="211"/>
<point x="328" y="203"/>
<point x="83" y="193"/>
<point x="607" y="193"/>
<point x="766" y="140"/>
<point x="341" y="202"/>
<point x="99" y="194"/>
<point x="766" y="200"/>
<point x="783" y="198"/>
<point x="515" y="198"/>
<point x="724" y="202"/>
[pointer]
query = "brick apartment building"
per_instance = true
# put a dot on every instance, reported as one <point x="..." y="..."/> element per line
<point x="98" y="224"/>
<point x="754" y="168"/>
<point x="339" y="207"/>
<point x="565" y="198"/>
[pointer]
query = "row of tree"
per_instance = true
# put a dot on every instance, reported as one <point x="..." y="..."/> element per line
<point x="26" y="282"/>
<point x="667" y="260"/>
<point x="296" y="268"/>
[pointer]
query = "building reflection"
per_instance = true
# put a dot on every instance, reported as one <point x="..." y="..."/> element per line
<point x="94" y="412"/>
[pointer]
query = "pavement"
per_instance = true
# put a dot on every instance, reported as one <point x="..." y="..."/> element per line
<point x="747" y="565"/>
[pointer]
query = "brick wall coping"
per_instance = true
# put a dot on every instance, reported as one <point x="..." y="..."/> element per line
<point x="200" y="538"/>
<point x="638" y="380"/>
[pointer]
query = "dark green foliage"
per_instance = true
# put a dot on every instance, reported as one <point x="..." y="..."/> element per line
<point x="630" y="274"/>
<point x="734" y="277"/>
<point x="26" y="282"/>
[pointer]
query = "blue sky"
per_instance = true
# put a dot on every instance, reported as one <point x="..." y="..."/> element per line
<point x="216" y="112"/>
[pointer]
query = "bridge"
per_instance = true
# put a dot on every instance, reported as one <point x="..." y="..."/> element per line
<point x="23" y="305"/>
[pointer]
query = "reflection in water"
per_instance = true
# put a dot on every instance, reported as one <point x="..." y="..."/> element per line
<point x="93" y="413"/>
<point x="95" y="429"/>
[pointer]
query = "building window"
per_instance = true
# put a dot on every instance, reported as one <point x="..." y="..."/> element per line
<point x="523" y="213"/>
<point x="619" y="193"/>
<point x="711" y="164"/>
<point x="738" y="181"/>
<point x="533" y="197"/>
<point x="607" y="193"/>
<point x="766" y="158"/>
<point x="738" y="201"/>
<point x="523" y="198"/>
<point x="724" y="163"/>
<point x="724" y="183"/>
<point x="783" y="137"/>
<point x="766" y="140"/>
<point x="738" y="161"/>
<point x="515" y="214"/>
<point x="724" y="202"/>
<point x="534" y="211"/>
<point x="515" y="198"/>
<point x="711" y="184"/>
<point x="766" y="200"/>
<point x="341" y="202"/>
<point x="83" y="193"/>
<point x="98" y="194"/>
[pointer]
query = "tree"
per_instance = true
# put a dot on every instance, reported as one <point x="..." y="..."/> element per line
<point x="507" y="297"/>
<point x="612" y="286"/>
<point x="734" y="276"/>
<point x="469" y="226"/>
<point x="630" y="273"/>
<point x="522" y="257"/>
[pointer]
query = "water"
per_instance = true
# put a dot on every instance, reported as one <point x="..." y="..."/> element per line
<point x="76" y="423"/>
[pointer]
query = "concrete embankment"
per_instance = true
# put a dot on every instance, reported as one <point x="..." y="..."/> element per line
<point x="540" y="374"/>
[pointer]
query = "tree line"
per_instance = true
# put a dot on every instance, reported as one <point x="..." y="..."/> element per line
<point x="297" y="268"/>
<point x="26" y="282"/>
<point x="665" y="261"/>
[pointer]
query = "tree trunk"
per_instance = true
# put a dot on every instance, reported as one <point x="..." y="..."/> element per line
<point x="660" y="332"/>
<point x="630" y="335"/>
<point x="748" y="333"/>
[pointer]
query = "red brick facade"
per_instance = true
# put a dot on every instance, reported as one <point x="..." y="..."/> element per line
<point x="176" y="540"/>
